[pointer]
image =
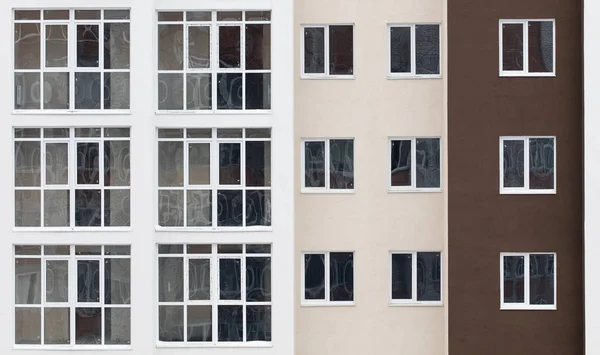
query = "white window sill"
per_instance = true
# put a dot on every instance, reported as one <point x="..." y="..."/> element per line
<point x="523" y="307"/>
<point x="327" y="191"/>
<point x="71" y="229"/>
<point x="214" y="229"/>
<point x="399" y="76"/>
<point x="318" y="303"/>
<point x="526" y="192"/>
<point x="71" y="112"/>
<point x="326" y="77"/>
<point x="74" y="347"/>
<point x="520" y="74"/>
<point x="413" y="190"/>
<point x="212" y="112"/>
<point x="409" y="303"/>
<point x="253" y="344"/>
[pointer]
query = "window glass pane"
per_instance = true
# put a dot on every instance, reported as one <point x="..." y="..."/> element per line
<point x="57" y="43"/>
<point x="258" y="133"/>
<point x="229" y="133"/>
<point x="258" y="323"/>
<point x="56" y="14"/>
<point x="56" y="133"/>
<point x="88" y="163"/>
<point x="229" y="208"/>
<point x="88" y="208"/>
<point x="541" y="163"/>
<point x="229" y="46"/>
<point x="512" y="46"/>
<point x="28" y="325"/>
<point x="341" y="276"/>
<point x="170" y="208"/>
<point x="199" y="47"/>
<point x="87" y="132"/>
<point x="230" y="248"/>
<point x="258" y="91"/>
<point x="87" y="14"/>
<point x="229" y="164"/>
<point x="229" y="16"/>
<point x="198" y="15"/>
<point x="28" y="281"/>
<point x="401" y="276"/>
<point x="56" y="91"/>
<point x="314" y="50"/>
<point x="258" y="163"/>
<point x="88" y="326"/>
<point x="541" y="46"/>
<point x="57" y="163"/>
<point x="28" y="250"/>
<point x="170" y="163"/>
<point x="258" y="279"/>
<point x="229" y="91"/>
<point x="170" y="47"/>
<point x="341" y="156"/>
<point x="27" y="163"/>
<point x="258" y="208"/>
<point x="88" y="281"/>
<point x="116" y="14"/>
<point x="341" y="55"/>
<point x="199" y="91"/>
<point x="117" y="250"/>
<point x="427" y="49"/>
<point x="230" y="275"/>
<point x="88" y="250"/>
<point x="401" y="163"/>
<point x="117" y="205"/>
<point x="199" y="279"/>
<point x="428" y="162"/>
<point x="314" y="276"/>
<point x="541" y="279"/>
<point x="514" y="163"/>
<point x="514" y="279"/>
<point x="170" y="133"/>
<point x="116" y="45"/>
<point x="27" y="45"/>
<point x="27" y="133"/>
<point x="56" y="208"/>
<point x="258" y="15"/>
<point x="117" y="281"/>
<point x="88" y="46"/>
<point x="199" y="163"/>
<point x="27" y="14"/>
<point x="87" y="91"/>
<point x="170" y="91"/>
<point x="170" y="323"/>
<point x="116" y="132"/>
<point x="258" y="46"/>
<point x="170" y="16"/>
<point x="27" y="208"/>
<point x="314" y="164"/>
<point x="170" y="249"/>
<point x="56" y="326"/>
<point x="170" y="279"/>
<point x="57" y="250"/>
<point x="199" y="248"/>
<point x="199" y="323"/>
<point x="231" y="323"/>
<point x="428" y="277"/>
<point x="258" y="248"/>
<point x="117" y="326"/>
<point x="116" y="163"/>
<point x="116" y="91"/>
<point x="400" y="50"/>
<point x="199" y="208"/>
<point x="27" y="91"/>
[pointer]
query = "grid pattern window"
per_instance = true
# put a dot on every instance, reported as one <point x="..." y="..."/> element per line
<point x="214" y="178"/>
<point x="328" y="278"/>
<point x="71" y="60"/>
<point x="214" y="294"/>
<point x="328" y="165"/>
<point x="416" y="278"/>
<point x="527" y="48"/>
<point x="528" y="281"/>
<point x="72" y="296"/>
<point x="72" y="178"/>
<point x="328" y="51"/>
<point x="415" y="164"/>
<point x="527" y="165"/>
<point x="415" y="50"/>
<point x="212" y="61"/>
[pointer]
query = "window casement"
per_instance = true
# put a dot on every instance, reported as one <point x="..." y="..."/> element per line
<point x="414" y="50"/>
<point x="214" y="294"/>
<point x="328" y="165"/>
<point x="527" y="165"/>
<point x="328" y="51"/>
<point x="328" y="278"/>
<point x="72" y="296"/>
<point x="425" y="174"/>
<point x="214" y="61"/>
<point x="81" y="57"/>
<point x="527" y="47"/>
<point x="72" y="178"/>
<point x="528" y="281"/>
<point x="416" y="278"/>
<point x="214" y="179"/>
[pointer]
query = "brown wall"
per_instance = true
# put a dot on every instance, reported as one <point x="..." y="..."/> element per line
<point x="482" y="223"/>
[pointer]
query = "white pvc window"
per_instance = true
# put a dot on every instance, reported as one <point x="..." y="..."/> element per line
<point x="414" y="50"/>
<point x="527" y="47"/>
<point x="528" y="281"/>
<point x="328" y="165"/>
<point x="328" y="51"/>
<point x="81" y="57"/>
<point x="527" y="165"/>
<point x="415" y="164"/>
<point x="328" y="278"/>
<point x="72" y="296"/>
<point x="416" y="278"/>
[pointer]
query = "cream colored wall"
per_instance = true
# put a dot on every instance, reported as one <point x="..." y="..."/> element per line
<point x="371" y="222"/>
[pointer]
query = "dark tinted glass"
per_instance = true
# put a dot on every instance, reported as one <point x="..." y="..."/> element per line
<point x="314" y="50"/>
<point x="341" y="156"/>
<point x="512" y="47"/>
<point x="341" y="46"/>
<point x="429" y="277"/>
<point x="400" y="50"/>
<point x="541" y="46"/>
<point x="427" y="43"/>
<point x="514" y="163"/>
<point x="341" y="276"/>
<point x="541" y="279"/>
<point x="428" y="162"/>
<point x="401" y="163"/>
<point x="514" y="279"/>
<point x="314" y="276"/>
<point x="541" y="163"/>
<point x="402" y="276"/>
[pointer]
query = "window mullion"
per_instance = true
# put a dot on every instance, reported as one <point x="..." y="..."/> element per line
<point x="526" y="46"/>
<point x="243" y="295"/>
<point x="526" y="279"/>
<point x="72" y="175"/>
<point x="413" y="163"/>
<point x="186" y="295"/>
<point x="414" y="282"/>
<point x="214" y="294"/>
<point x="243" y="179"/>
<point x="527" y="170"/>
<point x="214" y="60"/>
<point x="101" y="168"/>
<point x="186" y="180"/>
<point x="243" y="60"/>
<point x="42" y="61"/>
<point x="185" y="68"/>
<point x="326" y="46"/>
<point x="413" y="49"/>
<point x="326" y="164"/>
<point x="102" y="285"/>
<point x="327" y="280"/>
<point x="72" y="291"/>
<point x="43" y="179"/>
<point x="214" y="176"/>
<point x="71" y="57"/>
<point x="43" y="298"/>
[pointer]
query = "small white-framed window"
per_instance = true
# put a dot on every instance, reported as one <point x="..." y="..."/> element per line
<point x="415" y="164"/>
<point x="214" y="61"/>
<point x="328" y="51"/>
<point x="81" y="57"/>
<point x="327" y="278"/>
<point x="414" y="50"/>
<point x="528" y="165"/>
<point x="72" y="296"/>
<point x="416" y="278"/>
<point x="528" y="281"/>
<point x="527" y="47"/>
<point x="72" y="178"/>
<point x="328" y="165"/>
<point x="214" y="294"/>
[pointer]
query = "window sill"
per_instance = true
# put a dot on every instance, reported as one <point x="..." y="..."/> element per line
<point x="527" y="308"/>
<point x="327" y="191"/>
<point x="71" y="229"/>
<point x="71" y="112"/>
<point x="412" y="77"/>
<point x="212" y="112"/>
<point x="257" y="344"/>
<point x="394" y="303"/>
<point x="527" y="192"/>
<point x="326" y="77"/>
<point x="326" y="304"/>
<point x="413" y="190"/>
<point x="504" y="74"/>
<point x="214" y="229"/>
<point x="74" y="347"/>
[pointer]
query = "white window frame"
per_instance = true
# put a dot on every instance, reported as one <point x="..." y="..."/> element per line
<point x="525" y="189"/>
<point x="325" y="74"/>
<point x="413" y="301"/>
<point x="526" y="285"/>
<point x="72" y="304"/>
<point x="525" y="71"/>
<point x="327" y="167"/>
<point x="72" y="186"/>
<point x="413" y="54"/>
<point x="214" y="69"/>
<point x="326" y="302"/>
<point x="72" y="60"/>
<point x="413" y="173"/>
<point x="214" y="301"/>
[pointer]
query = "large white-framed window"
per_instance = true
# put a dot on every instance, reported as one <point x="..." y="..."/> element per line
<point x="528" y="281"/>
<point x="214" y="178"/>
<point x="327" y="278"/>
<point x="527" y="47"/>
<point x="416" y="278"/>
<point x="415" y="164"/>
<point x="214" y="61"/>
<point x="327" y="165"/>
<point x="414" y="50"/>
<point x="72" y="296"/>
<point x="214" y="294"/>
<point x="72" y="61"/>
<point x="528" y="165"/>
<point x="328" y="51"/>
<point x="72" y="178"/>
